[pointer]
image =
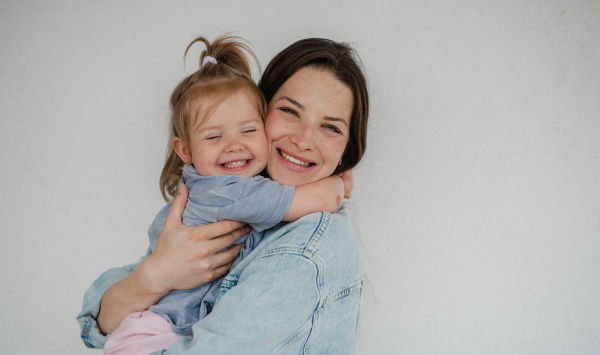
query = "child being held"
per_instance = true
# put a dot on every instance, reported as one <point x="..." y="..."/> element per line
<point x="217" y="149"/>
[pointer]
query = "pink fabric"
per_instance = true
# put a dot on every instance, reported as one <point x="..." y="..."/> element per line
<point x="141" y="333"/>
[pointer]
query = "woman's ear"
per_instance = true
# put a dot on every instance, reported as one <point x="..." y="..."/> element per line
<point x="182" y="151"/>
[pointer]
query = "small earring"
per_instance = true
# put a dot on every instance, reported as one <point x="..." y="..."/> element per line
<point x="340" y="163"/>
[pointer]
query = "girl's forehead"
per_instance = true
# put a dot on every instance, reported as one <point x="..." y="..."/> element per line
<point x="233" y="109"/>
<point x="203" y="106"/>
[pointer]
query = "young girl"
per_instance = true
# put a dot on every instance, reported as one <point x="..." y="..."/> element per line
<point x="217" y="147"/>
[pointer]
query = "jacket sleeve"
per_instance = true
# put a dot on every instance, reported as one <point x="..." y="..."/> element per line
<point x="271" y="306"/>
<point x="90" y="333"/>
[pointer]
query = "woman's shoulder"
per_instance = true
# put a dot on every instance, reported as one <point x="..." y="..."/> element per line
<point x="314" y="225"/>
<point x="324" y="236"/>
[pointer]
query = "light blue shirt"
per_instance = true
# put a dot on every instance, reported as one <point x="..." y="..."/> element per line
<point x="258" y="201"/>
<point x="298" y="292"/>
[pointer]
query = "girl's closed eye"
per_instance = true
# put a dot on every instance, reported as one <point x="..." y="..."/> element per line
<point x="214" y="136"/>
<point x="249" y="130"/>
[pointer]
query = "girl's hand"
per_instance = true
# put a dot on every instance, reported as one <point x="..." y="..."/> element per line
<point x="348" y="182"/>
<point x="187" y="257"/>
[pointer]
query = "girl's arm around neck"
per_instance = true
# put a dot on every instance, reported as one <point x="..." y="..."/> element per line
<point x="323" y="195"/>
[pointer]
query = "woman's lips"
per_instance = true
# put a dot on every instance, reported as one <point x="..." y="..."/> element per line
<point x="293" y="163"/>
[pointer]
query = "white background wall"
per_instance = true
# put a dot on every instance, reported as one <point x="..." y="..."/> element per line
<point x="478" y="203"/>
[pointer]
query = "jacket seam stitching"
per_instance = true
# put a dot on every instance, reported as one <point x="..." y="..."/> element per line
<point x="315" y="319"/>
<point x="85" y="333"/>
<point x="344" y="293"/>
<point x="318" y="233"/>
<point x="317" y="306"/>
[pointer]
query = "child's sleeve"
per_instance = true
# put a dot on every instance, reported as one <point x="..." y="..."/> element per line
<point x="156" y="227"/>
<point x="259" y="201"/>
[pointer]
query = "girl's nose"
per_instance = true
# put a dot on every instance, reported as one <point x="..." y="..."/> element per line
<point x="234" y="145"/>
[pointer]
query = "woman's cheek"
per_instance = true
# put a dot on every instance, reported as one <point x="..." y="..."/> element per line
<point x="273" y="127"/>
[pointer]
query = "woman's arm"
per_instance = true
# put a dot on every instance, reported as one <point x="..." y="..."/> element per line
<point x="262" y="313"/>
<point x="184" y="258"/>
<point x="298" y="291"/>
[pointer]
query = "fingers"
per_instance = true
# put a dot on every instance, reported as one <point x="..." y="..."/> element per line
<point x="221" y="242"/>
<point x="217" y="265"/>
<point x="177" y="207"/>
<point x="217" y="229"/>
<point x="225" y="257"/>
<point x="348" y="183"/>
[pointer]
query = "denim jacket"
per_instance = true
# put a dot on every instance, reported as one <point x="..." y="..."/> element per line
<point x="298" y="292"/>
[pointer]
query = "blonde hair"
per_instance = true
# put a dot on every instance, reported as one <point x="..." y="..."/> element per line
<point x="204" y="90"/>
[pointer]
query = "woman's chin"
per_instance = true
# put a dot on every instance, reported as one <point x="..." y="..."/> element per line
<point x="287" y="177"/>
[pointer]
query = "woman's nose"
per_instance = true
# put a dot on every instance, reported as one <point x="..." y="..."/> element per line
<point x="304" y="138"/>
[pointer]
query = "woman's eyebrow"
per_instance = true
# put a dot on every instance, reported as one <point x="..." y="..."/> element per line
<point x="300" y="106"/>
<point x="336" y="119"/>
<point x="293" y="102"/>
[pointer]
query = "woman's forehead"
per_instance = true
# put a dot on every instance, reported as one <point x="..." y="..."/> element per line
<point x="312" y="89"/>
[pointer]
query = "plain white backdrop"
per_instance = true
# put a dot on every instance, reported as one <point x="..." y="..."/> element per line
<point x="477" y="204"/>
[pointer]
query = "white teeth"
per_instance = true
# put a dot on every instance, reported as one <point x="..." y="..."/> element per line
<point x="234" y="164"/>
<point x="293" y="160"/>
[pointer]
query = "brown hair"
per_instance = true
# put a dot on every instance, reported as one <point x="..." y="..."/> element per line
<point x="210" y="85"/>
<point x="340" y="60"/>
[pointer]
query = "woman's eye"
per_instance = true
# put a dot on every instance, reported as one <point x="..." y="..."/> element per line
<point x="289" y="111"/>
<point x="332" y="128"/>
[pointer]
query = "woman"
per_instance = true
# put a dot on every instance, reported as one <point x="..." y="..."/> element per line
<point x="300" y="290"/>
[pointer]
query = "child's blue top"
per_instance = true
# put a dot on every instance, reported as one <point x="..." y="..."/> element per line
<point x="258" y="201"/>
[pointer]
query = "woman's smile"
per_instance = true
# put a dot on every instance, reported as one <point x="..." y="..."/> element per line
<point x="297" y="161"/>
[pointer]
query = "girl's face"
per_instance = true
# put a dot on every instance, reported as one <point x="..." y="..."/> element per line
<point x="307" y="127"/>
<point x="229" y="141"/>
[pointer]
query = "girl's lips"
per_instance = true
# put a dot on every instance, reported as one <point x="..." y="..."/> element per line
<point x="293" y="163"/>
<point x="236" y="166"/>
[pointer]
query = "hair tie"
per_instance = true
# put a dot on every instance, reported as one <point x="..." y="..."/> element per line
<point x="209" y="59"/>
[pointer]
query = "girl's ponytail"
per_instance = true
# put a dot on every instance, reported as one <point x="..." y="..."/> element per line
<point x="224" y="50"/>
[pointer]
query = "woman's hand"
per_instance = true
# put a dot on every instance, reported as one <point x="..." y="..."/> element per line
<point x="348" y="182"/>
<point x="187" y="257"/>
<point x="184" y="258"/>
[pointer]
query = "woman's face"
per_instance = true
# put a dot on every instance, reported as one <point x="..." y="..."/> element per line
<point x="307" y="127"/>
